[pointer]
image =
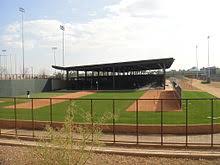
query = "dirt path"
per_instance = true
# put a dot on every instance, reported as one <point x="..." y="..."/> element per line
<point x="39" y="103"/>
<point x="213" y="88"/>
<point x="155" y="105"/>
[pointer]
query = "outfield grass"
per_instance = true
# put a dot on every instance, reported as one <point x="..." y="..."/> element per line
<point x="199" y="111"/>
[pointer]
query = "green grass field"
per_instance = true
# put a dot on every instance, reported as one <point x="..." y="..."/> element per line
<point x="199" y="111"/>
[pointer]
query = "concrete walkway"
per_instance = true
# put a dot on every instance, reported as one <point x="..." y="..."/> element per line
<point x="161" y="152"/>
<point x="151" y="139"/>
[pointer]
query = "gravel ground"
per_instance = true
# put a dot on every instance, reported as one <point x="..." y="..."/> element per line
<point x="18" y="155"/>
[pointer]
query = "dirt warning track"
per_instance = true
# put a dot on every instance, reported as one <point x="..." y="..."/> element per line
<point x="39" y="103"/>
<point x="155" y="105"/>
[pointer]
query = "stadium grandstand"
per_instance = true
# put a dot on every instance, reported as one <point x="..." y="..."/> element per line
<point x="117" y="76"/>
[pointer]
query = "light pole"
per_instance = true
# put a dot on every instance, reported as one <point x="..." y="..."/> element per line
<point x="4" y="66"/>
<point x="10" y="65"/>
<point x="15" y="64"/>
<point x="32" y="71"/>
<point x="22" y="35"/>
<point x="63" y="29"/>
<point x="54" y="57"/>
<point x="197" y="64"/>
<point x="208" y="77"/>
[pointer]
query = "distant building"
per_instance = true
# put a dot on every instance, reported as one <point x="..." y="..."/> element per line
<point x="193" y="69"/>
<point x="213" y="70"/>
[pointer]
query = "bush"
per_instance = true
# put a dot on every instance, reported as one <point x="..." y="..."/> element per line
<point x="72" y="144"/>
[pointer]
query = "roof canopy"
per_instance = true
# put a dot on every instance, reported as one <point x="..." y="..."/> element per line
<point x="152" y="64"/>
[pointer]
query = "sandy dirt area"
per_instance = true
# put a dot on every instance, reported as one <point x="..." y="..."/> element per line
<point x="214" y="84"/>
<point x="187" y="85"/>
<point x="155" y="105"/>
<point x="39" y="103"/>
<point x="213" y="88"/>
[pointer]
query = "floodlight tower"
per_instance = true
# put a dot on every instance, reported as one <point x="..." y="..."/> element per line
<point x="197" y="64"/>
<point x="54" y="57"/>
<point x="22" y="35"/>
<point x="4" y="66"/>
<point x="208" y="77"/>
<point x="63" y="29"/>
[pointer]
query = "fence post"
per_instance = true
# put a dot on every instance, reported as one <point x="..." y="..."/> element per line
<point x="186" y="122"/>
<point x="15" y="115"/>
<point x="113" y="119"/>
<point x="91" y="108"/>
<point x="212" y="125"/>
<point x="51" y="118"/>
<point x="32" y="116"/>
<point x="161" y="122"/>
<point x="137" y="132"/>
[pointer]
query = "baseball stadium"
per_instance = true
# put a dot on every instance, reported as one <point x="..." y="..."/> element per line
<point x="143" y="103"/>
<point x="109" y="82"/>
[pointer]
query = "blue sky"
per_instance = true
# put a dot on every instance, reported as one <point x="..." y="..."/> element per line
<point x="65" y="10"/>
<point x="110" y="31"/>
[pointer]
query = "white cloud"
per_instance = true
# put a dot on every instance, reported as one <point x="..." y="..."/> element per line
<point x="92" y="13"/>
<point x="133" y="29"/>
<point x="136" y="8"/>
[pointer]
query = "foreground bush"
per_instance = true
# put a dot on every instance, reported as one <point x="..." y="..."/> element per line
<point x="72" y="144"/>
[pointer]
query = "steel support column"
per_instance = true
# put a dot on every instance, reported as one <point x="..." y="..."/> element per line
<point x="164" y="77"/>
<point x="77" y="77"/>
<point x="67" y="75"/>
<point x="113" y="78"/>
<point x="85" y="79"/>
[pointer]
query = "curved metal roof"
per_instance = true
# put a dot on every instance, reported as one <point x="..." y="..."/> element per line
<point x="151" y="64"/>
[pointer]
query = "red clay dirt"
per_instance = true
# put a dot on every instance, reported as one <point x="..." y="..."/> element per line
<point x="39" y="103"/>
<point x="155" y="105"/>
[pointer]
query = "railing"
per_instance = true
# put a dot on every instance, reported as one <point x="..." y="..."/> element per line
<point x="21" y="77"/>
<point x="197" y="123"/>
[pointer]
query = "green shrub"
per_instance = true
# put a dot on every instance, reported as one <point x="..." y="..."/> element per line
<point x="72" y="144"/>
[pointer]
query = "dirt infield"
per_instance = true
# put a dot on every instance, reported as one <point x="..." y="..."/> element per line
<point x="39" y="103"/>
<point x="155" y="105"/>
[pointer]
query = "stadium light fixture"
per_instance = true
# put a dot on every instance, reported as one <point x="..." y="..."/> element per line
<point x="22" y="34"/>
<point x="21" y="9"/>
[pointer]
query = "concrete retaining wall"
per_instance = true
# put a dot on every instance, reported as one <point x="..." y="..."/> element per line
<point x="120" y="128"/>
<point x="58" y="84"/>
<point x="10" y="88"/>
